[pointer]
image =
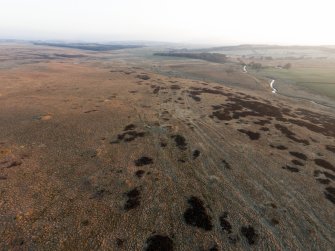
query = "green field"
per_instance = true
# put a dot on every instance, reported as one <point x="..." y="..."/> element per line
<point x="320" y="80"/>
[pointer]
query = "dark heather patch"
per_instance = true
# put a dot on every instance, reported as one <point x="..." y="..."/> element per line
<point x="252" y="135"/>
<point x="139" y="173"/>
<point x="163" y="144"/>
<point x="156" y="90"/>
<point x="325" y="164"/>
<point x="90" y="111"/>
<point x="85" y="223"/>
<point x="196" y="154"/>
<point x="196" y="98"/>
<point x="128" y="136"/>
<point x="330" y="194"/>
<point x="159" y="243"/>
<point x="329" y="175"/>
<point x="274" y="222"/>
<point x="250" y="234"/>
<point x="214" y="248"/>
<point x="129" y="127"/>
<point x="262" y="122"/>
<point x="280" y="147"/>
<point x="119" y="242"/>
<point x="133" y="199"/>
<point x="143" y="161"/>
<point x="233" y="239"/>
<point x="291" y="169"/>
<point x="180" y="141"/>
<point x="99" y="194"/>
<point x="265" y="129"/>
<point x="175" y="87"/>
<point x="226" y="164"/>
<point x="297" y="162"/>
<point x="299" y="155"/>
<point x="10" y="163"/>
<point x="289" y="134"/>
<point x="330" y="148"/>
<point x="196" y="214"/>
<point x="143" y="77"/>
<point x="323" y="181"/>
<point x="225" y="224"/>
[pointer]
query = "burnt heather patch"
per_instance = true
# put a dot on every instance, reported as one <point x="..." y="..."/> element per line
<point x="196" y="154"/>
<point x="251" y="135"/>
<point x="133" y="200"/>
<point x="196" y="214"/>
<point x="250" y="234"/>
<point x="180" y="141"/>
<point x="143" y="161"/>
<point x="299" y="155"/>
<point x="291" y="169"/>
<point x="159" y="243"/>
<point x="330" y="194"/>
<point x="289" y="134"/>
<point x="325" y="164"/>
<point x="225" y="224"/>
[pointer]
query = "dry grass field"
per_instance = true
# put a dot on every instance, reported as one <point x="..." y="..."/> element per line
<point x="107" y="151"/>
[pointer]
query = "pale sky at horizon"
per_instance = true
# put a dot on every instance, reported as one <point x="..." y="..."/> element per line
<point x="212" y="21"/>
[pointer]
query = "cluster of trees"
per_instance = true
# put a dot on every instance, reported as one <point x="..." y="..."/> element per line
<point x="255" y="66"/>
<point x="211" y="57"/>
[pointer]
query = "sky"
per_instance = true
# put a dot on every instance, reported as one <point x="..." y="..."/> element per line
<point x="300" y="22"/>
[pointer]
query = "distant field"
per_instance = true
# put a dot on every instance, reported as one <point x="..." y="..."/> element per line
<point x="320" y="80"/>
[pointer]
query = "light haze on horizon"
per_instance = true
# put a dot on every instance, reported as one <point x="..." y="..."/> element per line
<point x="208" y="22"/>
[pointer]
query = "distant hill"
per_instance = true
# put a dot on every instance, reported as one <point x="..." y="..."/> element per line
<point x="90" y="46"/>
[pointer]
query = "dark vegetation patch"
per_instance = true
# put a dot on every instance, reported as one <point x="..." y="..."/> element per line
<point x="143" y="77"/>
<point x="196" y="154"/>
<point x="89" y="111"/>
<point x="226" y="164"/>
<point x="250" y="234"/>
<point x="319" y="123"/>
<point x="299" y="155"/>
<point x="251" y="135"/>
<point x="119" y="242"/>
<point x="265" y="129"/>
<point x="159" y="243"/>
<point x="163" y="144"/>
<point x="329" y="175"/>
<point x="180" y="141"/>
<point x="225" y="224"/>
<point x="330" y="148"/>
<point x="99" y="194"/>
<point x="175" y="87"/>
<point x="129" y="127"/>
<point x="297" y="162"/>
<point x="139" y="173"/>
<point x="133" y="200"/>
<point x="274" y="222"/>
<point x="291" y="169"/>
<point x="323" y="181"/>
<point x="143" y="161"/>
<point x="238" y="107"/>
<point x="128" y="136"/>
<point x="196" y="214"/>
<point x="8" y="163"/>
<point x="330" y="194"/>
<point x="214" y="248"/>
<point x="279" y="147"/>
<point x="325" y="164"/>
<point x="289" y="134"/>
<point x="262" y="122"/>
